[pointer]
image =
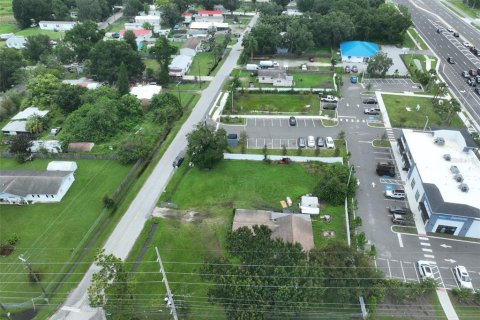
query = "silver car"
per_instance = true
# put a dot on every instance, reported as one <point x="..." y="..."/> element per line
<point x="302" y="143"/>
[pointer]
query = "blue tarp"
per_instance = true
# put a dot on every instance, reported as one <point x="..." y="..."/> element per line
<point x="359" y="49"/>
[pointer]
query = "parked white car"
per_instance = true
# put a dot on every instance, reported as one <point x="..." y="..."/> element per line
<point x="329" y="143"/>
<point x="467" y="44"/>
<point x="329" y="99"/>
<point x="425" y="270"/>
<point x="311" y="142"/>
<point x="463" y="279"/>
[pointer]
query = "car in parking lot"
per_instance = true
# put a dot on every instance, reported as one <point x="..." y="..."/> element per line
<point x="477" y="78"/>
<point x="329" y="106"/>
<point x="425" y="270"/>
<point x="477" y="90"/>
<point x="311" y="142"/>
<point x="472" y="72"/>
<point x="371" y="111"/>
<point x="462" y="277"/>
<point x="465" y="74"/>
<point x="370" y="101"/>
<point x="301" y="142"/>
<point x="440" y="30"/>
<point x="399" y="219"/>
<point x="329" y="143"/>
<point x="398" y="210"/>
<point x="395" y="194"/>
<point x="456" y="35"/>
<point x="472" y="82"/>
<point x="354" y="69"/>
<point x="292" y="121"/>
<point x="116" y="35"/>
<point x="347" y="69"/>
<point x="329" y="98"/>
<point x="353" y="79"/>
<point x="450" y="29"/>
<point x="320" y="142"/>
<point x="450" y="60"/>
<point x="385" y="168"/>
<point x="467" y="44"/>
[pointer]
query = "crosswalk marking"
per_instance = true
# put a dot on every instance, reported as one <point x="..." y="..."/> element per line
<point x="425" y="244"/>
<point x="429" y="256"/>
<point x="426" y="250"/>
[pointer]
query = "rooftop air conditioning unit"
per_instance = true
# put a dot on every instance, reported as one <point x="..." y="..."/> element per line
<point x="447" y="157"/>
<point x="439" y="140"/>
<point x="459" y="177"/>
<point x="463" y="187"/>
<point x="454" y="169"/>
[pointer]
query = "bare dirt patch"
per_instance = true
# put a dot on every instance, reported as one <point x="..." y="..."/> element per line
<point x="179" y="215"/>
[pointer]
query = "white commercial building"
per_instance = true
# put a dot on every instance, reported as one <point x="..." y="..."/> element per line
<point x="444" y="177"/>
<point x="57" y="25"/>
<point x="32" y="186"/>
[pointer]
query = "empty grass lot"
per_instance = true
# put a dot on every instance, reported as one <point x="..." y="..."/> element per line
<point x="49" y="233"/>
<point x="35" y="31"/>
<point x="471" y="12"/>
<point x="313" y="80"/>
<point x="201" y="64"/>
<point x="268" y="103"/>
<point x="401" y="118"/>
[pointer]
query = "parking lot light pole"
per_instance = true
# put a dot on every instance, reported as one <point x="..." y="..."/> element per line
<point x="426" y="123"/>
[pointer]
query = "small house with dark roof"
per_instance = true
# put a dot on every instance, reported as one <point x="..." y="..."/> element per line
<point x="278" y="77"/>
<point x="443" y="179"/>
<point x="191" y="47"/>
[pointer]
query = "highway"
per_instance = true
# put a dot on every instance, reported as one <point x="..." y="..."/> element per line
<point x="427" y="16"/>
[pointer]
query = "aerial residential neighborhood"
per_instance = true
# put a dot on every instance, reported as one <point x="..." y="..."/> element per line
<point x="266" y="159"/>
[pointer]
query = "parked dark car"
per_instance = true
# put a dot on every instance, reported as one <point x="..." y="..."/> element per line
<point x="115" y="35"/>
<point x="398" y="210"/>
<point x="472" y="82"/>
<point x="472" y="72"/>
<point x="456" y="35"/>
<point x="292" y="121"/>
<point x="370" y="101"/>
<point x="320" y="142"/>
<point x="329" y="106"/>
<point x="385" y="168"/>
<point x="450" y="60"/>
<point x="477" y="90"/>
<point x="302" y="143"/>
<point x="178" y="159"/>
<point x="347" y="69"/>
<point x="399" y="219"/>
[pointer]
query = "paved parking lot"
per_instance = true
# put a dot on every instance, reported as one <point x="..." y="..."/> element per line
<point x="393" y="85"/>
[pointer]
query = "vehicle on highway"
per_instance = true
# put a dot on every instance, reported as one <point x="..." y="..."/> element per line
<point x="467" y="44"/>
<point x="347" y="69"/>
<point x="440" y="30"/>
<point x="425" y="270"/>
<point x="450" y="29"/>
<point x="320" y="142"/>
<point x="354" y="69"/>
<point x="385" y="168"/>
<point x="371" y="111"/>
<point x="292" y="121"/>
<point x="450" y="60"/>
<point x="329" y="106"/>
<point x="329" y="142"/>
<point x="465" y="74"/>
<point x="456" y="35"/>
<point x="370" y="101"/>
<point x="301" y="142"/>
<point x="353" y="79"/>
<point x="472" y="82"/>
<point x="472" y="72"/>
<point x="399" y="210"/>
<point x="179" y="159"/>
<point x="395" y="194"/>
<point x="462" y="277"/>
<point x="399" y="219"/>
<point x="311" y="142"/>
<point x="474" y="51"/>
<point x="477" y="90"/>
<point x="329" y="98"/>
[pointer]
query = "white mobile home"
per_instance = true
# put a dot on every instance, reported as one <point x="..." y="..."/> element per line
<point x="57" y="25"/>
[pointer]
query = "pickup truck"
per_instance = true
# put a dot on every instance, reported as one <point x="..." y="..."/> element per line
<point x="329" y="99"/>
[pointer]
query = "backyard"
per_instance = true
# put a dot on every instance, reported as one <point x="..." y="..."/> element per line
<point x="268" y="103"/>
<point x="313" y="80"/>
<point x="51" y="232"/>
<point x="403" y="113"/>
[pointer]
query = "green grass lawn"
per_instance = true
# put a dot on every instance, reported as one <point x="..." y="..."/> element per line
<point x="118" y="25"/>
<point x="8" y="28"/>
<point x="152" y="63"/>
<point x="201" y="64"/>
<point x="471" y="12"/>
<point x="275" y="103"/>
<point x="5" y="8"/>
<point x="413" y="32"/>
<point x="407" y="42"/>
<point x="50" y="232"/>
<point x="35" y="31"/>
<point x="313" y="80"/>
<point x="464" y="311"/>
<point x="401" y="118"/>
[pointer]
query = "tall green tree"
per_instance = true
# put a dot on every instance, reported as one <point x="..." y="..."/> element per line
<point x="250" y="45"/>
<point x="37" y="46"/>
<point x="34" y="124"/>
<point x="298" y="37"/>
<point x="27" y="11"/>
<point x="130" y="38"/>
<point x="95" y="10"/>
<point x="282" y="3"/>
<point x="379" y="64"/>
<point x="107" y="56"/>
<point x="132" y="148"/>
<point x="122" y="80"/>
<point x="171" y="14"/>
<point x="20" y="146"/>
<point x="231" y="5"/>
<point x="42" y="91"/>
<point x="163" y="51"/>
<point x="166" y="107"/>
<point x="334" y="184"/>
<point x="82" y="37"/>
<point x="132" y="8"/>
<point x="69" y="97"/>
<point x="206" y="145"/>
<point x="11" y="60"/>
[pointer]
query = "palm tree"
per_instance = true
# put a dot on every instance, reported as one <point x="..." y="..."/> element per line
<point x="34" y="124"/>
<point x="251" y="45"/>
<point x="454" y="108"/>
<point x="440" y="90"/>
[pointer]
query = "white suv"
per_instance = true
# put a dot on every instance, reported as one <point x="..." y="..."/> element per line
<point x="329" y="143"/>
<point x="425" y="270"/>
<point x="395" y="194"/>
<point x="461" y="274"/>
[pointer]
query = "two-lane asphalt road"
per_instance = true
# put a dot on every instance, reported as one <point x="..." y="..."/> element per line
<point x="128" y="229"/>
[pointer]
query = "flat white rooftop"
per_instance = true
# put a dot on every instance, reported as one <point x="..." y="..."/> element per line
<point x="434" y="169"/>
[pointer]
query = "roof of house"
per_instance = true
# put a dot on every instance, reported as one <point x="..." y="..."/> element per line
<point x="294" y="228"/>
<point x="17" y="42"/>
<point x="62" y="166"/>
<point x="192" y="43"/>
<point x="25" y="182"/>
<point x="84" y="82"/>
<point x="441" y="188"/>
<point x="28" y="112"/>
<point x="359" y="48"/>
<point x="59" y="22"/>
<point x="145" y="92"/>
<point x="208" y="12"/>
<point x="180" y="62"/>
<point x="274" y="73"/>
<point x="15" y="126"/>
<point x="137" y="32"/>
<point x="208" y="25"/>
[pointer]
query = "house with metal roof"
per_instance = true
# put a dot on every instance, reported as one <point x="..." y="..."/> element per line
<point x="358" y="51"/>
<point x="16" y="42"/>
<point x="278" y="77"/>
<point x="444" y="179"/>
<point x="32" y="186"/>
<point x="191" y="47"/>
<point x="289" y="227"/>
<point x="57" y="25"/>
<point x="209" y="16"/>
<point x="179" y="65"/>
<point x="18" y="123"/>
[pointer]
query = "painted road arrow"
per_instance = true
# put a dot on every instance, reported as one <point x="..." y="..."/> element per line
<point x="445" y="246"/>
<point x="450" y="260"/>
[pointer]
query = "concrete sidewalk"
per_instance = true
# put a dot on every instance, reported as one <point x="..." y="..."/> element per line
<point x="446" y="304"/>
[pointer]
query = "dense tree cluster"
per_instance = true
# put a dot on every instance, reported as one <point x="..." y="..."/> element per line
<point x="206" y="145"/>
<point x="327" y="22"/>
<point x="11" y="60"/>
<point x="334" y="184"/>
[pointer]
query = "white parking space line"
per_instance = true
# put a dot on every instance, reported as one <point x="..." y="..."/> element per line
<point x="389" y="270"/>
<point x="313" y="121"/>
<point x="429" y="256"/>
<point x="426" y="244"/>
<point x="280" y="122"/>
<point x="400" y="242"/>
<point x="403" y="272"/>
<point x="426" y="250"/>
<point x="416" y="273"/>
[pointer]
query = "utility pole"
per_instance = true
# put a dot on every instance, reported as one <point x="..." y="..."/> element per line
<point x="29" y="267"/>
<point x="170" y="302"/>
